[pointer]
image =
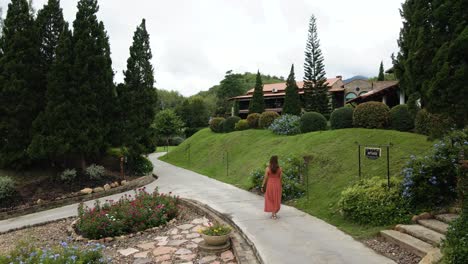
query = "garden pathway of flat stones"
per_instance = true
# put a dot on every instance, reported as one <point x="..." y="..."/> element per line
<point x="178" y="245"/>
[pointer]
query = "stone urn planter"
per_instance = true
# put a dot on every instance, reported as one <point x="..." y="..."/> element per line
<point x="215" y="240"/>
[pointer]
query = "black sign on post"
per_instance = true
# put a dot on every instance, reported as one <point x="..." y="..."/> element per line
<point x="373" y="153"/>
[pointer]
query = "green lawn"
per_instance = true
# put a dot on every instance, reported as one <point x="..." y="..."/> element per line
<point x="165" y="148"/>
<point x="334" y="165"/>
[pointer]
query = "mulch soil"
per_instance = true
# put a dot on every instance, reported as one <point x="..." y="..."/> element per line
<point x="392" y="251"/>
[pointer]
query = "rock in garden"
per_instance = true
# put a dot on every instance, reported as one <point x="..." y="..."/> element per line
<point x="185" y="227"/>
<point x="183" y="251"/>
<point x="86" y="191"/>
<point x="176" y="242"/>
<point x="163" y="258"/>
<point x="207" y="259"/>
<point x="191" y="245"/>
<point x="199" y="221"/>
<point x="174" y="231"/>
<point x="108" y="239"/>
<point x="39" y="201"/>
<point x="163" y="251"/>
<point x="424" y="216"/>
<point x="98" y="189"/>
<point x="146" y="246"/>
<point x="227" y="256"/>
<point x="107" y="187"/>
<point x="193" y="235"/>
<point x="197" y="240"/>
<point x="198" y="228"/>
<point x="143" y="254"/>
<point x="123" y="183"/>
<point x="188" y="257"/>
<point x="143" y="261"/>
<point x="128" y="251"/>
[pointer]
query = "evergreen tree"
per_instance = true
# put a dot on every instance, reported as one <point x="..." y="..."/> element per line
<point x="315" y="88"/>
<point x="292" y="102"/>
<point x="20" y="92"/>
<point x="139" y="96"/>
<point x="230" y="86"/>
<point x="257" y="104"/>
<point x="93" y="80"/>
<point x="381" y="76"/>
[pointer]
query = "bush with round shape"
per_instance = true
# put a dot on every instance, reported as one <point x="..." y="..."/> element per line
<point x="371" y="115"/>
<point x="342" y="118"/>
<point x="242" y="125"/>
<point x="216" y="124"/>
<point x="286" y="125"/>
<point x="312" y="121"/>
<point x="371" y="202"/>
<point x="7" y="188"/>
<point x="176" y="141"/>
<point x="253" y="119"/>
<point x="230" y="123"/>
<point x="68" y="175"/>
<point x="267" y="118"/>
<point x="95" y="172"/>
<point x="140" y="166"/>
<point x="400" y="118"/>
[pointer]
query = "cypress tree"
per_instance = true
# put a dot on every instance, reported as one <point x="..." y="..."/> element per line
<point x="292" y="102"/>
<point x="139" y="95"/>
<point x="381" y="76"/>
<point x="315" y="89"/>
<point x="257" y="104"/>
<point x="20" y="92"/>
<point x="93" y="80"/>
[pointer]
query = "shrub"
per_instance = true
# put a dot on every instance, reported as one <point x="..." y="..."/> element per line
<point x="430" y="182"/>
<point x="253" y="119"/>
<point x="342" y="118"/>
<point x="455" y="246"/>
<point x="126" y="215"/>
<point x="68" y="175"/>
<point x="190" y="131"/>
<point x="312" y="121"/>
<point x="371" y="115"/>
<point x="372" y="202"/>
<point x="7" y="188"/>
<point x="400" y="118"/>
<point x="286" y="125"/>
<point x="63" y="254"/>
<point x="140" y="166"/>
<point x="216" y="124"/>
<point x="433" y="125"/>
<point x="422" y="122"/>
<point x="95" y="172"/>
<point x="176" y="141"/>
<point x="230" y="123"/>
<point x="267" y="118"/>
<point x="242" y="125"/>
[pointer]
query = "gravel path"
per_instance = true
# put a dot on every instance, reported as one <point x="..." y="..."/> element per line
<point x="393" y="251"/>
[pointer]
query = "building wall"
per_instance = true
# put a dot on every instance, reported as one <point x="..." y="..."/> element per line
<point x="356" y="88"/>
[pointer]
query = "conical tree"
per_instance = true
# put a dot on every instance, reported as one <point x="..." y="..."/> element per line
<point x="20" y="91"/>
<point x="139" y="97"/>
<point x="257" y="104"/>
<point x="292" y="102"/>
<point x="315" y="88"/>
<point x="381" y="76"/>
<point x="93" y="79"/>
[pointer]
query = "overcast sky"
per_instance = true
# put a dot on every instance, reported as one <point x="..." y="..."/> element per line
<point x="194" y="42"/>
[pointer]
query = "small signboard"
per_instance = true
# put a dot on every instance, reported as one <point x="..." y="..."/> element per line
<point x="373" y="153"/>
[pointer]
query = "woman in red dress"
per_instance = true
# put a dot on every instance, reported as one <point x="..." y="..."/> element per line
<point x="273" y="192"/>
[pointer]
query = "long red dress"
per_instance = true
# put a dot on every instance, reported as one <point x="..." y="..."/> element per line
<point x="273" y="191"/>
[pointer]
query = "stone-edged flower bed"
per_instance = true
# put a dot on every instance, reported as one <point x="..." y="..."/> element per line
<point x="75" y="197"/>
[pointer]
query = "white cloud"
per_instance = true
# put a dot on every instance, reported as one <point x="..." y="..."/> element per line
<point x="195" y="42"/>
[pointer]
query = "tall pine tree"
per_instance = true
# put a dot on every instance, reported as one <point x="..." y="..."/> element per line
<point x="93" y="80"/>
<point x="257" y="104"/>
<point x="381" y="76"/>
<point x="316" y="96"/>
<point x="20" y="90"/>
<point x="292" y="102"/>
<point x="139" y="97"/>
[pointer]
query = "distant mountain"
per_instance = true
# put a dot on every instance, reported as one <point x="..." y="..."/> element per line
<point x="357" y="77"/>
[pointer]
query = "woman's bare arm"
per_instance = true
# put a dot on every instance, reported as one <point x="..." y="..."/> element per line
<point x="265" y="178"/>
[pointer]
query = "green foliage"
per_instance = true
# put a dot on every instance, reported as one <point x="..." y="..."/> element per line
<point x="286" y="125"/>
<point x="381" y="76"/>
<point x="231" y="86"/>
<point x="95" y="172"/>
<point x="312" y="121"/>
<point x="372" y="202"/>
<point x="342" y="118"/>
<point x="267" y="118"/>
<point x="433" y="125"/>
<point x="400" y="118"/>
<point x="68" y="175"/>
<point x="242" y="125"/>
<point x="127" y="215"/>
<point x="63" y="254"/>
<point x="371" y="115"/>
<point x="257" y="104"/>
<point x="139" y="165"/>
<point x="7" y="188"/>
<point x="455" y="245"/>
<point x="422" y="122"/>
<point x="167" y="123"/>
<point x="216" y="124"/>
<point x="169" y="99"/>
<point x="216" y="229"/>
<point x="430" y="181"/>
<point x="253" y="120"/>
<point x="194" y="112"/>
<point x="176" y="141"/>
<point x="292" y="102"/>
<point x="230" y="123"/>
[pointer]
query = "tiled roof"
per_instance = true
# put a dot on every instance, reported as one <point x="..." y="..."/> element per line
<point x="281" y="87"/>
<point x="378" y="88"/>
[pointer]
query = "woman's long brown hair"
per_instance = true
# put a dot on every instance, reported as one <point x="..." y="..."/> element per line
<point x="274" y="164"/>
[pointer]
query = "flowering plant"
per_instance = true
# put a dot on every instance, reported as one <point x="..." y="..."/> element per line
<point x="216" y="229"/>
<point x="128" y="215"/>
<point x="286" y="125"/>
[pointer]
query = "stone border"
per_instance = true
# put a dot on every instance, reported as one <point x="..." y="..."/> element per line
<point x="134" y="184"/>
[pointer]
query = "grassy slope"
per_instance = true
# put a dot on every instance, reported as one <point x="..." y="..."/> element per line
<point x="334" y="165"/>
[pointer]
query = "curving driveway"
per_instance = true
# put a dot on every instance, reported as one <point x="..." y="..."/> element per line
<point x="294" y="238"/>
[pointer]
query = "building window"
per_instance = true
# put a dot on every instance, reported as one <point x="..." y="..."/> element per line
<point x="350" y="96"/>
<point x="358" y="89"/>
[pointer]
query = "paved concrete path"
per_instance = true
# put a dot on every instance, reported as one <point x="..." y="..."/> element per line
<point x="295" y="237"/>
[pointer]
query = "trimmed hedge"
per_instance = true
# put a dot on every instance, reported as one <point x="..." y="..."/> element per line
<point x="230" y="123"/>
<point x="242" y="125"/>
<point x="400" y="118"/>
<point x="371" y="115"/>
<point x="432" y="125"/>
<point x="312" y="121"/>
<point x="216" y="124"/>
<point x="253" y="119"/>
<point x="286" y="125"/>
<point x="267" y="118"/>
<point x="342" y="118"/>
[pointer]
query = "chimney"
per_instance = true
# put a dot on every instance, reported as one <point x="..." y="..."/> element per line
<point x="339" y="77"/>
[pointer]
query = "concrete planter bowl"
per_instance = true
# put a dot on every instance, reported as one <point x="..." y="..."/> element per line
<point x="216" y="240"/>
